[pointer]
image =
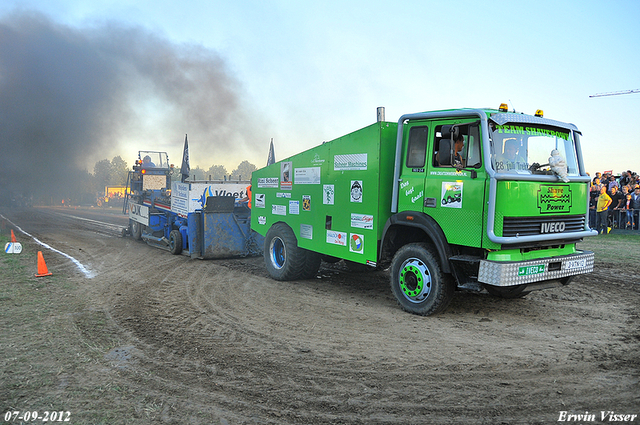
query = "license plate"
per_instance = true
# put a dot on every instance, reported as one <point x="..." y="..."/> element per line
<point x="529" y="270"/>
<point x="575" y="264"/>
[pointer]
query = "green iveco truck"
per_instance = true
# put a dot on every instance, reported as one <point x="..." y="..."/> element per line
<point x="465" y="198"/>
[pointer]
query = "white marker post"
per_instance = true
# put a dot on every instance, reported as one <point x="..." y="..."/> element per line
<point x="13" y="248"/>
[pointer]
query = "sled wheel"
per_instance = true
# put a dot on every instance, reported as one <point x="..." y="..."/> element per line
<point x="136" y="229"/>
<point x="417" y="281"/>
<point x="175" y="242"/>
<point x="283" y="258"/>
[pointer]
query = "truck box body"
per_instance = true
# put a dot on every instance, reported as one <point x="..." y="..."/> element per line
<point x="337" y="197"/>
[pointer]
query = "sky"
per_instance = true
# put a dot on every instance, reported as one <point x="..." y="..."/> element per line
<point x="120" y="76"/>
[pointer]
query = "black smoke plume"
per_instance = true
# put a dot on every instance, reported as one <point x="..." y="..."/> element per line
<point x="72" y="96"/>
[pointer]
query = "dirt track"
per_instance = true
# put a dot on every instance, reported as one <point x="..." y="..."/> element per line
<point x="220" y="342"/>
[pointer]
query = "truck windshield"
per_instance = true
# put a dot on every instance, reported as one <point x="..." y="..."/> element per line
<point x="150" y="159"/>
<point x="515" y="148"/>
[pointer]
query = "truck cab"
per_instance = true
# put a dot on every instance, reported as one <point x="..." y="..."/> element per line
<point x="494" y="207"/>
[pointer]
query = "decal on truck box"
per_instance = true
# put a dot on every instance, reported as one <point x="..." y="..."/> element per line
<point x="279" y="209"/>
<point x="294" y="207"/>
<point x="268" y="182"/>
<point x="356" y="191"/>
<point x="356" y="243"/>
<point x="356" y="161"/>
<point x="336" y="238"/>
<point x="306" y="231"/>
<point x="362" y="221"/>
<point x="285" y="176"/>
<point x="310" y="175"/>
<point x="327" y="194"/>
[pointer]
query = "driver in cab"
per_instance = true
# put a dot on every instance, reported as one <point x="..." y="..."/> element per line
<point x="509" y="160"/>
<point x="146" y="162"/>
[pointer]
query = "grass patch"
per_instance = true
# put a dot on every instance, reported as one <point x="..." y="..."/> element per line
<point x="619" y="248"/>
<point x="53" y="346"/>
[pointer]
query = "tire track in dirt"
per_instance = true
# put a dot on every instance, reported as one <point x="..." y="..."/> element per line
<point x="315" y="352"/>
<point x="220" y="338"/>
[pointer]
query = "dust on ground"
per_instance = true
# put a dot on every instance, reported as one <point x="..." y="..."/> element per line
<point x="157" y="338"/>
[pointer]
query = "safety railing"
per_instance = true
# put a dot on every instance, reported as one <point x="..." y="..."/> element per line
<point x="619" y="219"/>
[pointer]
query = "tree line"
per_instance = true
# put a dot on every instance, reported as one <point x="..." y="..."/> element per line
<point x="115" y="172"/>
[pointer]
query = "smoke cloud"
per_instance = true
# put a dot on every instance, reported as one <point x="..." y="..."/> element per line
<point x="72" y="96"/>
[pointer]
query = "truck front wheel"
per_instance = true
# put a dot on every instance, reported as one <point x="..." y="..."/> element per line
<point x="417" y="281"/>
<point x="282" y="256"/>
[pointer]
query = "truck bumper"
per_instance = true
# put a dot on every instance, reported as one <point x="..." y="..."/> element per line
<point x="504" y="273"/>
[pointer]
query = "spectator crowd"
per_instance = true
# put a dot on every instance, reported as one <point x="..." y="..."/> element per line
<point x="614" y="202"/>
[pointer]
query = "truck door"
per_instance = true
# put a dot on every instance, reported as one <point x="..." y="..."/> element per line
<point x="412" y="174"/>
<point x="455" y="199"/>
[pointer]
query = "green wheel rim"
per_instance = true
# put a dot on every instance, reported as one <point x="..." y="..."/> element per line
<point x="415" y="280"/>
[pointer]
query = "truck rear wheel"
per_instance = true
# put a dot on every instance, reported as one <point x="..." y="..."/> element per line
<point x="282" y="256"/>
<point x="417" y="281"/>
<point x="175" y="242"/>
<point x="311" y="264"/>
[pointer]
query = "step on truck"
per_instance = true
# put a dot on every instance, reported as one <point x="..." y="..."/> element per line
<point x="201" y="219"/>
<point x="455" y="199"/>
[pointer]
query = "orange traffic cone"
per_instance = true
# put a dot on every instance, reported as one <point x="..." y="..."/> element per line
<point x="13" y="237"/>
<point x="42" y="266"/>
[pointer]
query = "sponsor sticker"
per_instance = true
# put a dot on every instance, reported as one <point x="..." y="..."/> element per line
<point x="294" y="207"/>
<point x="262" y="220"/>
<point x="279" y="209"/>
<point x="327" y="194"/>
<point x="139" y="213"/>
<point x="451" y="195"/>
<point x="554" y="199"/>
<point x="306" y="231"/>
<point x="362" y="221"/>
<point x="285" y="175"/>
<point x="283" y="194"/>
<point x="309" y="175"/>
<point x="259" y="203"/>
<point x="356" y="191"/>
<point x="356" y="161"/>
<point x="336" y="238"/>
<point x="356" y="243"/>
<point x="306" y="202"/>
<point x="268" y="182"/>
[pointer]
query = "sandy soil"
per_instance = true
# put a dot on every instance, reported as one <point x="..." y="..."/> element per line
<point x="220" y="342"/>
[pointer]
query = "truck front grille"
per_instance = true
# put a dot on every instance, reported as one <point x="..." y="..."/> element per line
<point x="525" y="226"/>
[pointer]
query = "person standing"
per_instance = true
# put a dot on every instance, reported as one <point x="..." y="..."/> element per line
<point x="614" y="208"/>
<point x="602" y="211"/>
<point x="635" y="204"/>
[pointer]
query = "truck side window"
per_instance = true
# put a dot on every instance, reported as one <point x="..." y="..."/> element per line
<point x="417" y="147"/>
<point x="473" y="152"/>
